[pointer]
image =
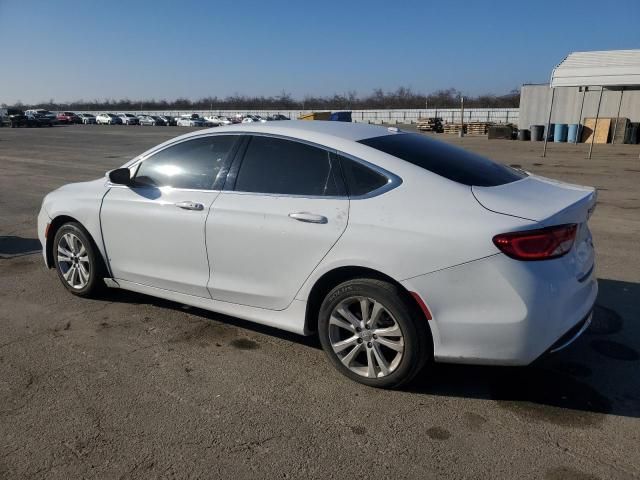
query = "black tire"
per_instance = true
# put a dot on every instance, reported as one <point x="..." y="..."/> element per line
<point x="418" y="345"/>
<point x="96" y="269"/>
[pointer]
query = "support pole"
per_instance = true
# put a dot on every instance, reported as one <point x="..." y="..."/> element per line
<point x="579" y="134"/>
<point x="461" y="134"/>
<point x="546" y="132"/>
<point x="595" y="127"/>
<point x="615" y="128"/>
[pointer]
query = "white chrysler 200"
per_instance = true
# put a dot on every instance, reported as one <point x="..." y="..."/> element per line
<point x="395" y="248"/>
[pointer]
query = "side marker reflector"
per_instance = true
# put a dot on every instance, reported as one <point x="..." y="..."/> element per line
<point x="422" y="305"/>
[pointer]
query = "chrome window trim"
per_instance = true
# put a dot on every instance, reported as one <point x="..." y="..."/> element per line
<point x="133" y="168"/>
<point x="393" y="180"/>
<point x="138" y="160"/>
<point x="108" y="184"/>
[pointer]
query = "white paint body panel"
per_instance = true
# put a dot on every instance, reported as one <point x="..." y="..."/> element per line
<point x="502" y="311"/>
<point x="81" y="201"/>
<point x="260" y="256"/>
<point x="153" y="242"/>
<point x="243" y="256"/>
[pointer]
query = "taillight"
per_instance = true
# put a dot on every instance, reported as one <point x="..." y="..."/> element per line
<point x="541" y="244"/>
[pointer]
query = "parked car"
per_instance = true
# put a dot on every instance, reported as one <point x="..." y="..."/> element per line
<point x="277" y="116"/>
<point x="87" y="118"/>
<point x="253" y="118"/>
<point x="42" y="113"/>
<point x="169" y="120"/>
<point x="217" y="120"/>
<point x="34" y="120"/>
<point x="193" y="120"/>
<point x="108" y="119"/>
<point x="397" y="249"/>
<point x="151" y="120"/>
<point x="129" y="119"/>
<point x="67" y="118"/>
<point x="15" y="118"/>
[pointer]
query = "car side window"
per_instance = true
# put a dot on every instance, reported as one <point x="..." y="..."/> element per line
<point x="193" y="164"/>
<point x="278" y="166"/>
<point x="361" y="179"/>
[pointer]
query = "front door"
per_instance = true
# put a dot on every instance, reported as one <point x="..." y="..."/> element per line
<point x="154" y="230"/>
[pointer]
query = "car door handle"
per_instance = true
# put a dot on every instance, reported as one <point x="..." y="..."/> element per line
<point x="187" y="205"/>
<point x="308" y="217"/>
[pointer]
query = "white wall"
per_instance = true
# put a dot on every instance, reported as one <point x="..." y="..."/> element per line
<point x="500" y="115"/>
<point x="535" y="101"/>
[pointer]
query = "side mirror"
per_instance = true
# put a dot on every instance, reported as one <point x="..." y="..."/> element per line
<point x="120" y="176"/>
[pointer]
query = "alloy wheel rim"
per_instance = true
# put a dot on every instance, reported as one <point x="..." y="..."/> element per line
<point x="73" y="261"/>
<point x="366" y="337"/>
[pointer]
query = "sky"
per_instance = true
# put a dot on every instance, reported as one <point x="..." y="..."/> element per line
<point x="68" y="50"/>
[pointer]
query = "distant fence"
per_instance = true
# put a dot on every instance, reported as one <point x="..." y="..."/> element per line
<point x="449" y="115"/>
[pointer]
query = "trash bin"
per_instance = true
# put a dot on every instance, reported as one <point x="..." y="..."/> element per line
<point x="537" y="133"/>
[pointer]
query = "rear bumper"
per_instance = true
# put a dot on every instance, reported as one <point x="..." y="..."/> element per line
<point x="572" y="335"/>
<point x="500" y="311"/>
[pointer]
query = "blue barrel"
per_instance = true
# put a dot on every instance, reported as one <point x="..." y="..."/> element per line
<point x="537" y="133"/>
<point x="560" y="132"/>
<point x="572" y="132"/>
<point x="548" y="134"/>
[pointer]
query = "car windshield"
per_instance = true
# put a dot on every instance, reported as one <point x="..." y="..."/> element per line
<point x="443" y="159"/>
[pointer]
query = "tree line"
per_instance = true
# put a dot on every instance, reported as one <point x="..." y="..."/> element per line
<point x="401" y="98"/>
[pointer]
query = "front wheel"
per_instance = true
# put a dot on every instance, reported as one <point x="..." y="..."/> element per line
<point x="373" y="334"/>
<point x="77" y="260"/>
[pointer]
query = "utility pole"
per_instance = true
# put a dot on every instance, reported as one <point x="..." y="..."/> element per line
<point x="461" y="134"/>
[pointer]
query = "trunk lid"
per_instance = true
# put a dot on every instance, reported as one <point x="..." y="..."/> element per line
<point x="540" y="199"/>
<point x="548" y="202"/>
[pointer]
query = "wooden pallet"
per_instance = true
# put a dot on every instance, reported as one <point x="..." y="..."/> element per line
<point x="471" y="128"/>
<point x="432" y="124"/>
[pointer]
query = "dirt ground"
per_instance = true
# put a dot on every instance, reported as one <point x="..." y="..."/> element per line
<point x="129" y="386"/>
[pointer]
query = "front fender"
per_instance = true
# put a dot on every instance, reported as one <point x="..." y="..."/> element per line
<point x="81" y="202"/>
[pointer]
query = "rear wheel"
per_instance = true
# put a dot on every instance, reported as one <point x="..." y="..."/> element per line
<point x="77" y="260"/>
<point x="373" y="334"/>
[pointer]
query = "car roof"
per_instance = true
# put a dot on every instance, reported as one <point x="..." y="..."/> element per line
<point x="309" y="130"/>
<point x="330" y="134"/>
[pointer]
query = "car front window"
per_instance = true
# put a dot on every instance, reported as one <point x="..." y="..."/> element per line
<point x="193" y="164"/>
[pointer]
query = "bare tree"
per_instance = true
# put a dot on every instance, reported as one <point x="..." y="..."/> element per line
<point x="401" y="98"/>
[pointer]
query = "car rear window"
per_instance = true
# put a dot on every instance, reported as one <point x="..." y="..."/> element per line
<point x="448" y="161"/>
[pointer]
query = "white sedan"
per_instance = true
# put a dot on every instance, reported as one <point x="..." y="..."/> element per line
<point x="108" y="119"/>
<point x="253" y="119"/>
<point x="395" y="248"/>
<point x="193" y="120"/>
<point x="217" y="120"/>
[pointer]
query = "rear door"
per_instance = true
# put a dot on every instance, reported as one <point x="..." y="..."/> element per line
<point x="154" y="231"/>
<point x="283" y="208"/>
